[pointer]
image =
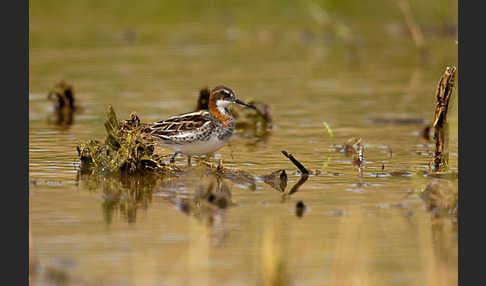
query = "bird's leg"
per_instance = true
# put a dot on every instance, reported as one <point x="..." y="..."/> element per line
<point x="172" y="159"/>
<point x="189" y="161"/>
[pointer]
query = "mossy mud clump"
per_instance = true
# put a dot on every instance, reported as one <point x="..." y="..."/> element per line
<point x="128" y="149"/>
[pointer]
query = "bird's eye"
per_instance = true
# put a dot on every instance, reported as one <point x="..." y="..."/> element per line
<point x="227" y="94"/>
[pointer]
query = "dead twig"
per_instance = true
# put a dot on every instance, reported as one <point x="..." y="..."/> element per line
<point x="301" y="168"/>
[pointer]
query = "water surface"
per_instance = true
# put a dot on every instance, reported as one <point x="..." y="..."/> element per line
<point x="371" y="228"/>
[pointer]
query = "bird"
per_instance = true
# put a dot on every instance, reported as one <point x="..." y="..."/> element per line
<point x="201" y="132"/>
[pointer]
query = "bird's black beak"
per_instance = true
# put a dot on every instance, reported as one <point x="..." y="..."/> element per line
<point x="245" y="104"/>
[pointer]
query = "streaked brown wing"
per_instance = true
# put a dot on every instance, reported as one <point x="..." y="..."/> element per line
<point x="177" y="125"/>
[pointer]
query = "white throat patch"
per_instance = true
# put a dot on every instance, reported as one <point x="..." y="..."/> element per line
<point x="221" y="105"/>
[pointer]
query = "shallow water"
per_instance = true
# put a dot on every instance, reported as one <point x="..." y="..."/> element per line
<point x="371" y="228"/>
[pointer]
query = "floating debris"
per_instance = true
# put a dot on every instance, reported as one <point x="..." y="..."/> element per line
<point x="62" y="95"/>
<point x="276" y="179"/>
<point x="358" y="158"/>
<point x="128" y="149"/>
<point x="358" y="148"/>
<point x="300" y="208"/>
<point x="349" y="147"/>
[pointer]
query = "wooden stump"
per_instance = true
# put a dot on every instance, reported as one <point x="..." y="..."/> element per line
<point x="442" y="97"/>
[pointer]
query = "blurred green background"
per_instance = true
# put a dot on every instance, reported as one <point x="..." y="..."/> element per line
<point x="73" y="23"/>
